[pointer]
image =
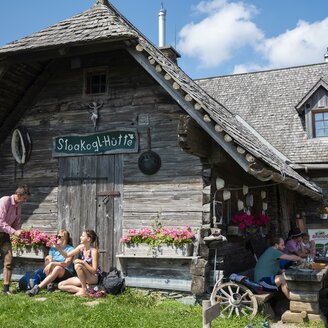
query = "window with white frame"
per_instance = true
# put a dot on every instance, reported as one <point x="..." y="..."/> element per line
<point x="320" y="121"/>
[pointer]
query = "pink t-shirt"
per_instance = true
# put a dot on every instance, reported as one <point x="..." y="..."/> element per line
<point x="10" y="215"/>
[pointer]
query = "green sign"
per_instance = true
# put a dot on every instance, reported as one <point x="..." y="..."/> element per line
<point x="110" y="142"/>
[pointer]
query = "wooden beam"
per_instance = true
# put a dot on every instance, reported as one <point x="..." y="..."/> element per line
<point x="193" y="139"/>
<point x="189" y="108"/>
<point x="28" y="99"/>
<point x="54" y="52"/>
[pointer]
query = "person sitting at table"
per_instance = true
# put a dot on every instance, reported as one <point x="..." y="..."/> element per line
<point x="267" y="270"/>
<point x="308" y="246"/>
<point x="293" y="245"/>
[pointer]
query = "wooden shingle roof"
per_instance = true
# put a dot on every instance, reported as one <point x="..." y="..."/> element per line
<point x="97" y="24"/>
<point x="268" y="101"/>
<point x="103" y="23"/>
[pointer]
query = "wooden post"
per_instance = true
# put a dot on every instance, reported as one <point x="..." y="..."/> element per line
<point x="206" y="304"/>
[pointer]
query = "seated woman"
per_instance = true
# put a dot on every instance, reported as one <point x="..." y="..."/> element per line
<point x="57" y="268"/>
<point x="87" y="268"/>
<point x="293" y="245"/>
<point x="308" y="246"/>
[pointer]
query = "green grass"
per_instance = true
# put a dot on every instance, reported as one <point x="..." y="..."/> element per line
<point x="131" y="309"/>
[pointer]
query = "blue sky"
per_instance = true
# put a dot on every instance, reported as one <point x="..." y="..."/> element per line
<point x="214" y="37"/>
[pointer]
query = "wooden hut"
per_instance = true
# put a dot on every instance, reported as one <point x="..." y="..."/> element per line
<point x="121" y="137"/>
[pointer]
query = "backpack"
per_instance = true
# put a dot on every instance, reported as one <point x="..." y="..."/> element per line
<point x="30" y="279"/>
<point x="111" y="282"/>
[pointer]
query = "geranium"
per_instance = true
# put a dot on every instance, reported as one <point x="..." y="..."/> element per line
<point x="262" y="220"/>
<point x="251" y="224"/>
<point x="32" y="239"/>
<point x="159" y="236"/>
<point x="243" y="220"/>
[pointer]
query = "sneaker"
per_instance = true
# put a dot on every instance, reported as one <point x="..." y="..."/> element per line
<point x="7" y="293"/>
<point x="51" y="287"/>
<point x="33" y="291"/>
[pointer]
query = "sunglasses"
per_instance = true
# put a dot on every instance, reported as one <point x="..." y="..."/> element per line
<point x="59" y="237"/>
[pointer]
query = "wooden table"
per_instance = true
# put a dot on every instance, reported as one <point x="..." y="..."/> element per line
<point x="304" y="286"/>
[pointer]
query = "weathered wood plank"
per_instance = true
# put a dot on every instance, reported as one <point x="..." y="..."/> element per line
<point x="210" y="312"/>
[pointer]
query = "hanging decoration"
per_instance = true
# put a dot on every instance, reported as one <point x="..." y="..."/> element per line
<point x="226" y="194"/>
<point x="240" y="205"/>
<point x="21" y="145"/>
<point x="264" y="206"/>
<point x="245" y="190"/>
<point x="149" y="162"/>
<point x="219" y="183"/>
<point x="249" y="200"/>
<point x="94" y="112"/>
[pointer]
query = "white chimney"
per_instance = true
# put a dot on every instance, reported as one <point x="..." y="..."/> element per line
<point x="326" y="56"/>
<point x="168" y="51"/>
<point x="161" y="27"/>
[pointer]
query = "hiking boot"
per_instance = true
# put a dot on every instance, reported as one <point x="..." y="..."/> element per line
<point x="33" y="291"/>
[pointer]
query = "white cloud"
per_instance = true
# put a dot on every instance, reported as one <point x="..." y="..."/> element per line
<point x="302" y="45"/>
<point x="227" y="27"/>
<point x="249" y="67"/>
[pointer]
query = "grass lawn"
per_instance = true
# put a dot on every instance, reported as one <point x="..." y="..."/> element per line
<point x="131" y="309"/>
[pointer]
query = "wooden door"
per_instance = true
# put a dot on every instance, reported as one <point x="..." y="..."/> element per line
<point x="89" y="197"/>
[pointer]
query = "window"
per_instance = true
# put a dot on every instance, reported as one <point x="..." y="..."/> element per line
<point x="320" y="124"/>
<point x="95" y="82"/>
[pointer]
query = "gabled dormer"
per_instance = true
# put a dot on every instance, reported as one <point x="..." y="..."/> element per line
<point x="314" y="108"/>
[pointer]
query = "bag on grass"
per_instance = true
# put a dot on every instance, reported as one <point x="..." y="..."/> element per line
<point x="111" y="282"/>
<point x="30" y="279"/>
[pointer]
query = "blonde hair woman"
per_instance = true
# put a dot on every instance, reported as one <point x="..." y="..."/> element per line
<point x="87" y="268"/>
<point x="57" y="267"/>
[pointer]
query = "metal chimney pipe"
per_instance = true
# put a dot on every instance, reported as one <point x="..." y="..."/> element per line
<point x="326" y="56"/>
<point x="161" y="27"/>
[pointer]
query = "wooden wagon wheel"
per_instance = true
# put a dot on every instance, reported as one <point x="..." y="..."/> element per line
<point x="235" y="299"/>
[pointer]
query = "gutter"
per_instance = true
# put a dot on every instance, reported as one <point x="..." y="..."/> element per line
<point x="290" y="183"/>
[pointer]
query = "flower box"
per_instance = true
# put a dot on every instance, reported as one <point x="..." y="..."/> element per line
<point x="158" y="251"/>
<point x="30" y="253"/>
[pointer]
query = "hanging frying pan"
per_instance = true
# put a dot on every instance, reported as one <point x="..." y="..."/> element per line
<point x="149" y="162"/>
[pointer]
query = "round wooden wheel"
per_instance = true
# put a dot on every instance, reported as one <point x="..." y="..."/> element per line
<point x="235" y="299"/>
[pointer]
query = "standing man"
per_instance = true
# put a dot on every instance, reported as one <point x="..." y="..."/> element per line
<point x="10" y="224"/>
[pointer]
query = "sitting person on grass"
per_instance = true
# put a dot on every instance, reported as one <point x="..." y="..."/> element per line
<point x="57" y="268"/>
<point x="87" y="268"/>
<point x="267" y="270"/>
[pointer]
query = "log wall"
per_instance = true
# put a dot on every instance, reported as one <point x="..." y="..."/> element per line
<point x="173" y="195"/>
